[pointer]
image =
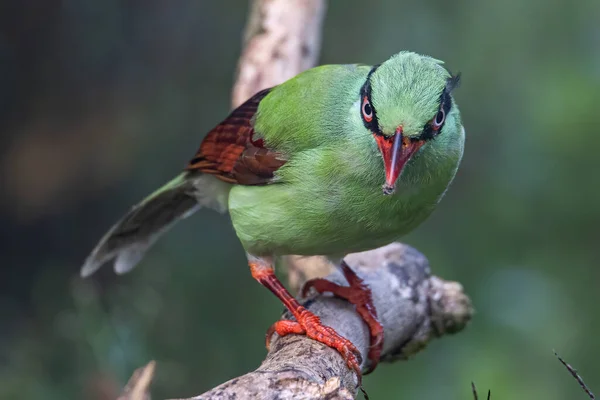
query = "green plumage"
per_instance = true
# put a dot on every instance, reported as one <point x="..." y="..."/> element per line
<point x="327" y="198"/>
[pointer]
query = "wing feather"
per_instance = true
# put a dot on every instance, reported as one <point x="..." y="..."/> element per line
<point x="233" y="152"/>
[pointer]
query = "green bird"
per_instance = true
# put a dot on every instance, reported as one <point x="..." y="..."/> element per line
<point x="339" y="159"/>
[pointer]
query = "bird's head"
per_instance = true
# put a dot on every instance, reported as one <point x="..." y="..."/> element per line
<point x="406" y="103"/>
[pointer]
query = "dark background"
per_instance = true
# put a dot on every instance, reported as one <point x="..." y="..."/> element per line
<point x="102" y="102"/>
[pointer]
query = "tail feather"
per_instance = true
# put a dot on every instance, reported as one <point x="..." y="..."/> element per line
<point x="129" y="239"/>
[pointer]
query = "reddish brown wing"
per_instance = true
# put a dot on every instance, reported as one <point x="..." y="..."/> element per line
<point x="232" y="154"/>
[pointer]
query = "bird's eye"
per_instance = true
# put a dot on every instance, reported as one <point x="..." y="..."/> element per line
<point x="367" y="110"/>
<point x="438" y="120"/>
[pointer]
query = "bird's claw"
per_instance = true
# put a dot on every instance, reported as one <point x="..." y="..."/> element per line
<point x="310" y="325"/>
<point x="359" y="294"/>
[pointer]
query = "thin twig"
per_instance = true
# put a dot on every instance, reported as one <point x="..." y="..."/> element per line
<point x="575" y="375"/>
<point x="138" y="387"/>
<point x="475" y="396"/>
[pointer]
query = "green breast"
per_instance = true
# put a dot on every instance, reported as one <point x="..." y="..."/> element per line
<point x="330" y="205"/>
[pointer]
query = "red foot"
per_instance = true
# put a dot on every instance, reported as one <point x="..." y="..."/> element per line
<point x="307" y="323"/>
<point x="310" y="325"/>
<point x="358" y="294"/>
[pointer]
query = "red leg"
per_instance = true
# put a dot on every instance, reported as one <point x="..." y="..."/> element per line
<point x="307" y="322"/>
<point x="358" y="294"/>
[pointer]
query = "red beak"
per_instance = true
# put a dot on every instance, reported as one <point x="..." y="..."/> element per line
<point x="396" y="151"/>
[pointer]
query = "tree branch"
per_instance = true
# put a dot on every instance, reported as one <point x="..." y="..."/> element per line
<point x="138" y="387"/>
<point x="413" y="307"/>
<point x="282" y="39"/>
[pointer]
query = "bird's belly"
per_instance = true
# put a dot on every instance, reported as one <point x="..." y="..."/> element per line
<point x="280" y="219"/>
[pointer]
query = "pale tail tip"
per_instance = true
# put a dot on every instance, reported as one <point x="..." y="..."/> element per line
<point x="84" y="273"/>
<point x="88" y="269"/>
<point x="128" y="258"/>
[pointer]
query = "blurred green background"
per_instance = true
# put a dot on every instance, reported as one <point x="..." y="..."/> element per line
<point x="101" y="102"/>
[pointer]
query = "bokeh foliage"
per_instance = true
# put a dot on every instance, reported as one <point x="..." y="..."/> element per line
<point x="101" y="102"/>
